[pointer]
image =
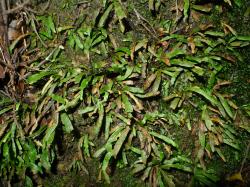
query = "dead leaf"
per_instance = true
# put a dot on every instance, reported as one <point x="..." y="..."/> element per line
<point x="200" y="156"/>
<point x="44" y="121"/>
<point x="196" y="15"/>
<point x="149" y="81"/>
<point x="96" y="88"/>
<point x="191" y="44"/>
<point x="161" y="31"/>
<point x="235" y="177"/>
<point x="229" y="2"/>
<point x="168" y="149"/>
<point x="202" y="127"/>
<point x="220" y="138"/>
<point x="139" y="105"/>
<point x="145" y="133"/>
<point x="214" y="110"/>
<point x="128" y="82"/>
<point x="228" y="28"/>
<point x="229" y="58"/>
<point x="217" y="120"/>
<point x="204" y="27"/>
<point x="132" y="51"/>
<point x="20" y="86"/>
<point x="3" y="128"/>
<point x="27" y="119"/>
<point x="119" y="103"/>
<point x="165" y="44"/>
<point x="208" y="153"/>
<point x="222" y="83"/>
<point x="166" y="60"/>
<point x="232" y="104"/>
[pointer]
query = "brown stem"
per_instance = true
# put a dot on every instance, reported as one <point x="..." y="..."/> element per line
<point x="245" y="158"/>
<point x="18" y="7"/>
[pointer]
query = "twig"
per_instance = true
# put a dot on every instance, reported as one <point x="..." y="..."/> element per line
<point x="4" y="61"/>
<point x="245" y="158"/>
<point x="141" y="19"/>
<point x="5" y="16"/>
<point x="35" y="30"/>
<point x="81" y="2"/>
<point x="4" y="29"/>
<point x="177" y="10"/>
<point x="6" y="94"/>
<point x="33" y="126"/>
<point x="40" y="64"/>
<point x="16" y="121"/>
<point x="36" y="12"/>
<point x="18" y="7"/>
